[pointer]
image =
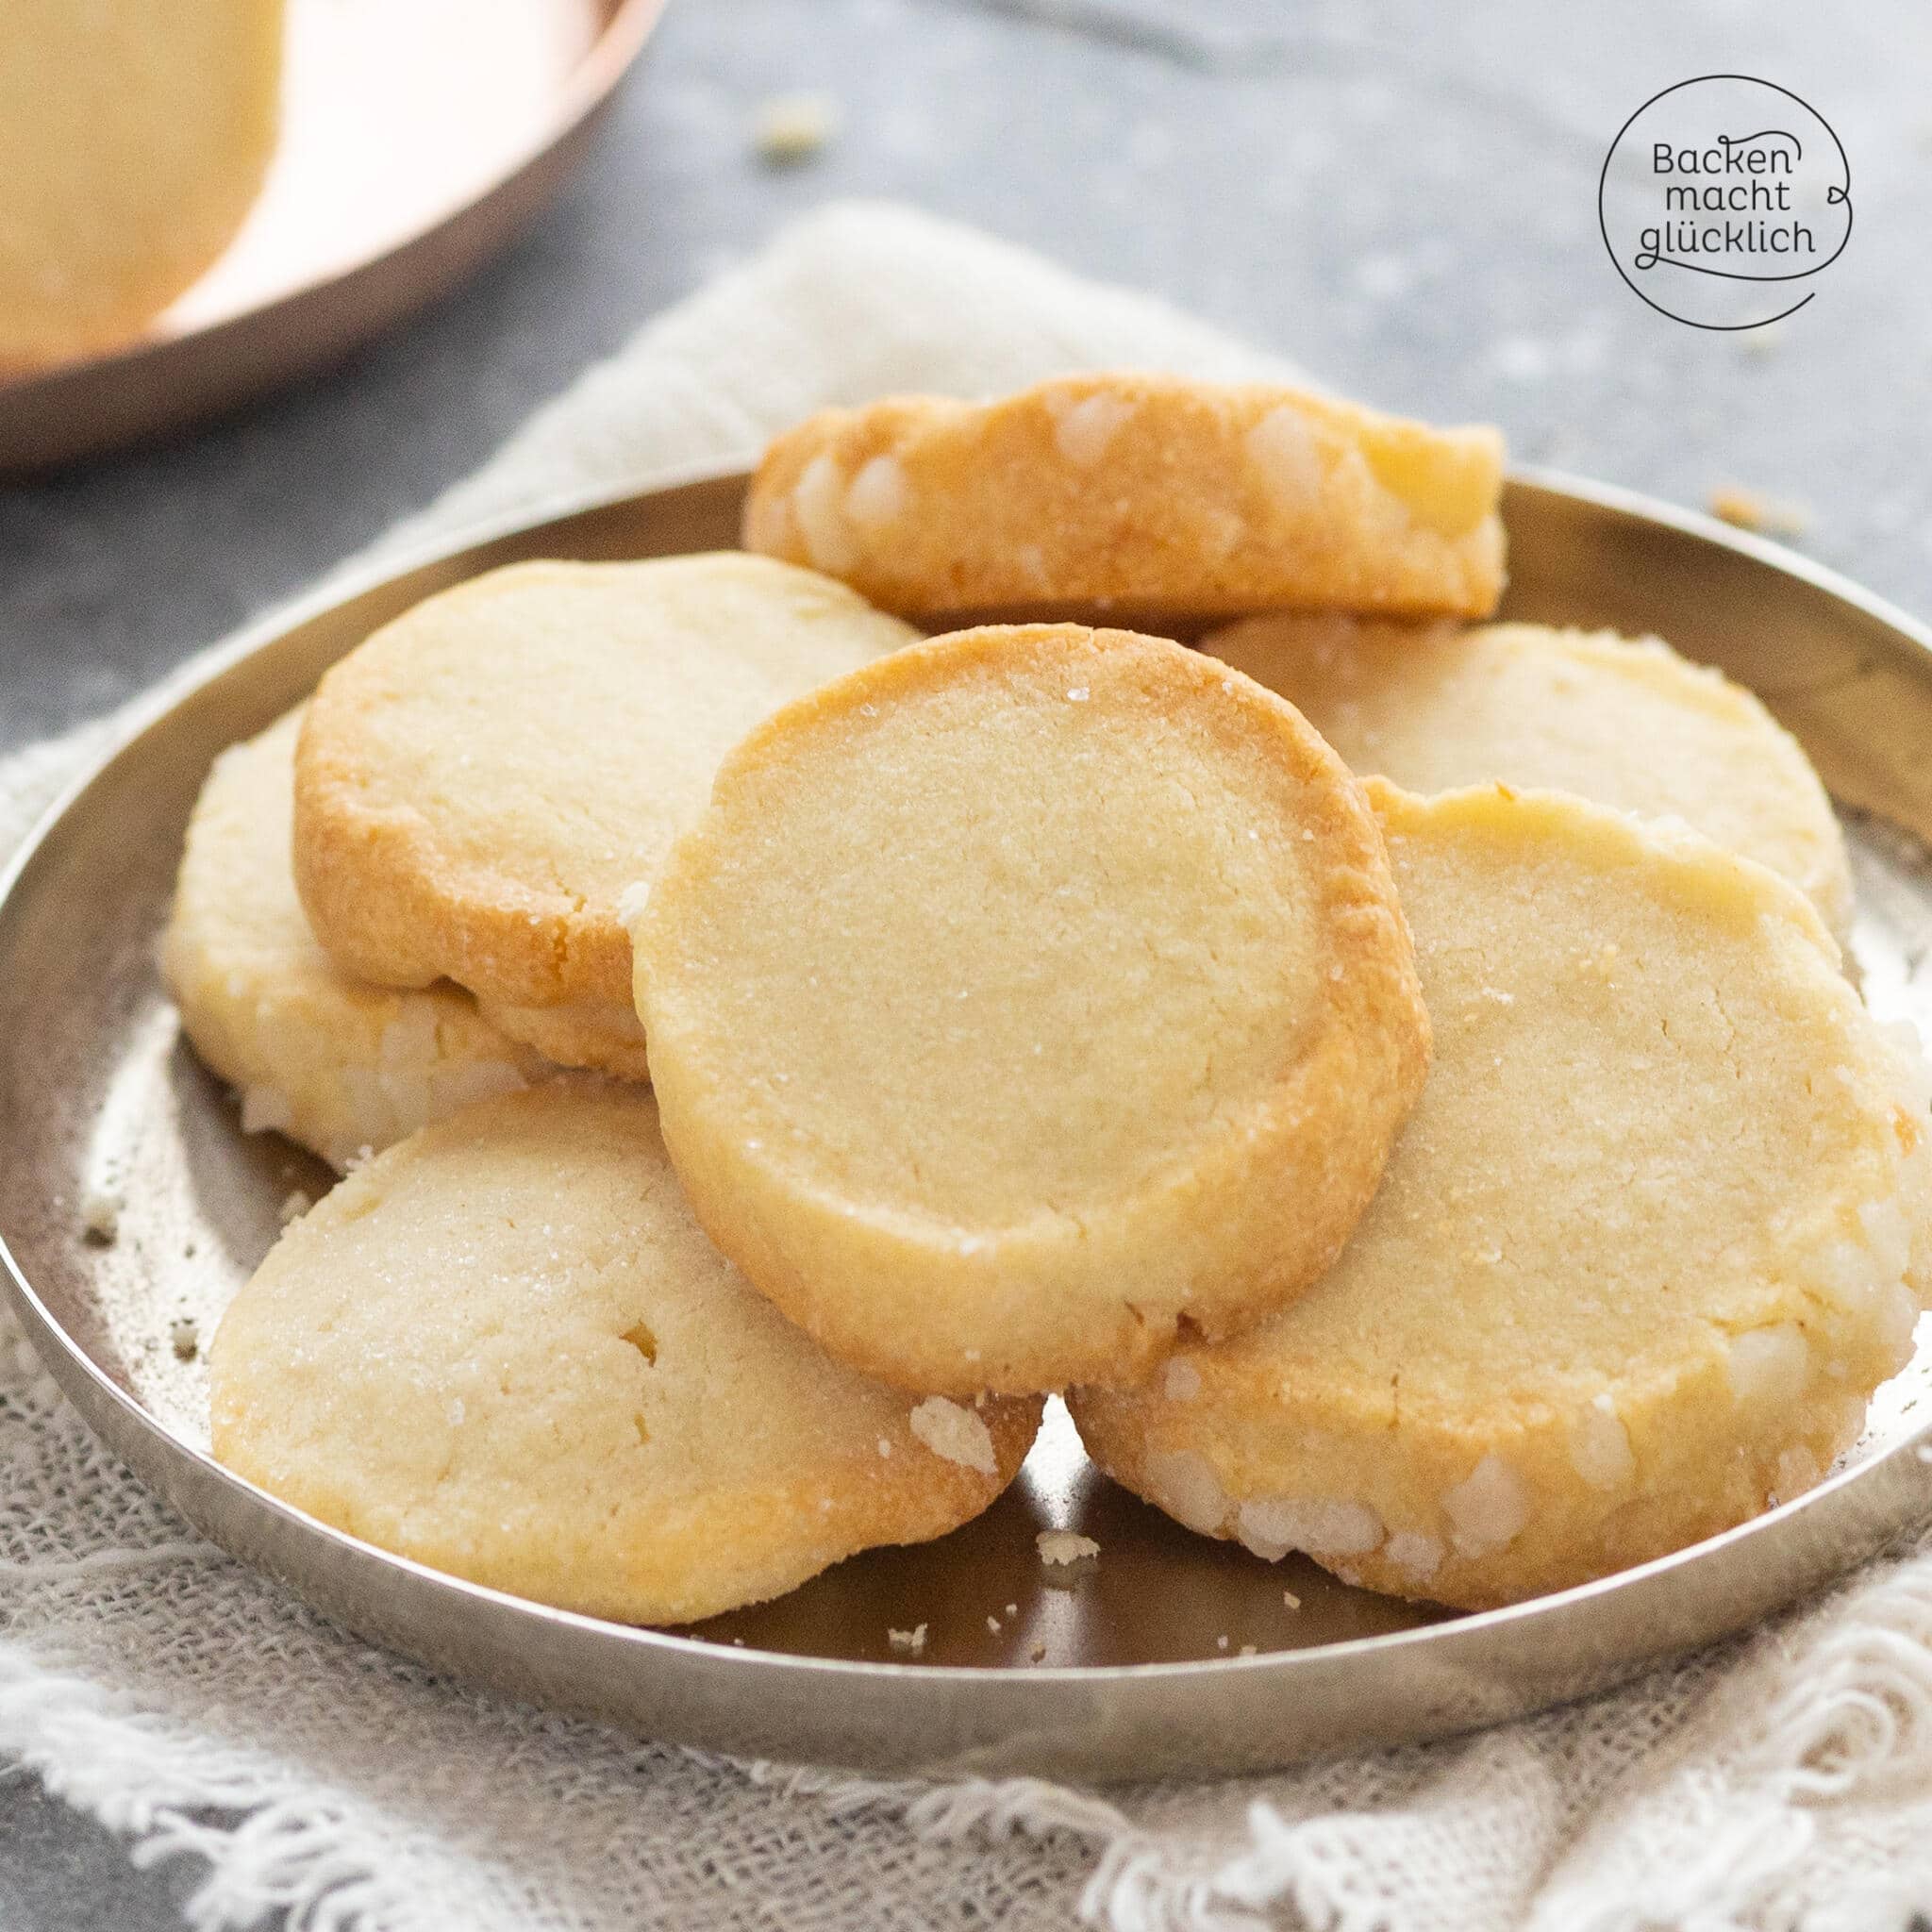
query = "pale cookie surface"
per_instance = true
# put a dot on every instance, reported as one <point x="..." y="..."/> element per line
<point x="133" y="140"/>
<point x="1656" y="1230"/>
<point x="505" y="1349"/>
<point x="340" y="1066"/>
<point x="603" y="1034"/>
<point x="1623" y="721"/>
<point x="1148" y="496"/>
<point x="1027" y="1000"/>
<point x="480" y="782"/>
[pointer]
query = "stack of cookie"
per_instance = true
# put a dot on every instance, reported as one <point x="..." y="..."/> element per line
<point x="1394" y="1078"/>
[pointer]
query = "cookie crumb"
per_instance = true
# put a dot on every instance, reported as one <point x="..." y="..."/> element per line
<point x="1248" y="1650"/>
<point x="295" y="1203"/>
<point x="992" y="1623"/>
<point x="100" y="1214"/>
<point x="1064" y="1546"/>
<point x="1221" y="1643"/>
<point x="1292" y="1601"/>
<point x="184" y="1337"/>
<point x="1766" y="516"/>
<point x="1038" y="1654"/>
<point x="789" y="129"/>
<point x="911" y="1642"/>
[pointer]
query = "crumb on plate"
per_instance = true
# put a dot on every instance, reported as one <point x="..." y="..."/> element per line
<point x="1064" y="1546"/>
<point x="100" y="1213"/>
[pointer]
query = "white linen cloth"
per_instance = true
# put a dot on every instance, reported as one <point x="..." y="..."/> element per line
<point x="194" y="1707"/>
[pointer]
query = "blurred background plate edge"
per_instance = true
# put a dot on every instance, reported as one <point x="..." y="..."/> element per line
<point x="167" y="380"/>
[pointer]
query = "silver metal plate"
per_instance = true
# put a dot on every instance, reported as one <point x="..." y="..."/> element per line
<point x="1133" y="1666"/>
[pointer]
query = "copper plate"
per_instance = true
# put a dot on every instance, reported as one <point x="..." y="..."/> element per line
<point x="1133" y="1666"/>
<point x="418" y="135"/>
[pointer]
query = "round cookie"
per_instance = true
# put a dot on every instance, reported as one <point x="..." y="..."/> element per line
<point x="1154" y="497"/>
<point x="1656" y="1230"/>
<point x="339" y="1065"/>
<point x="1027" y="1001"/>
<point x="480" y="781"/>
<point x="505" y="1349"/>
<point x="1625" y="722"/>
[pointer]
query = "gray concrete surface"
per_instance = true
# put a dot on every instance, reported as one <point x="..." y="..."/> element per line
<point x="1398" y="193"/>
